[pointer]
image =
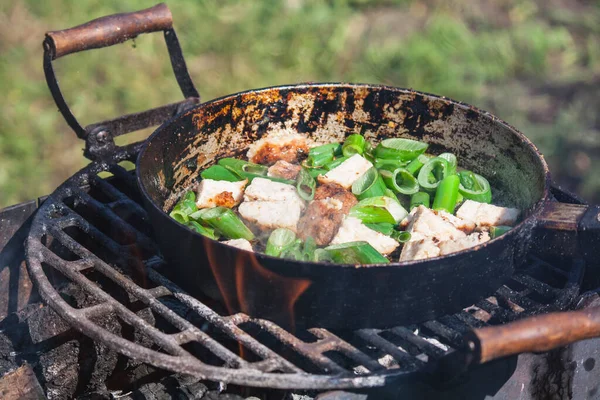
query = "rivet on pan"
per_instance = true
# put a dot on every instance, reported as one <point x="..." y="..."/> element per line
<point x="102" y="136"/>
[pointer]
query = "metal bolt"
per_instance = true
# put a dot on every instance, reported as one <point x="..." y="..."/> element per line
<point x="102" y="136"/>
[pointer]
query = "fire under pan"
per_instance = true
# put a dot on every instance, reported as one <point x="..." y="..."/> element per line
<point x="93" y="232"/>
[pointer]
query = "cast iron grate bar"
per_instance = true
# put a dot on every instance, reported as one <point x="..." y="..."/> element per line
<point x="108" y="214"/>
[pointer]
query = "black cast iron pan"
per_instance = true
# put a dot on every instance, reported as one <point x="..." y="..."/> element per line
<point x="327" y="295"/>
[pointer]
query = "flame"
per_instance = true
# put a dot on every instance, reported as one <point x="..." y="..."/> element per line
<point x="278" y="291"/>
<point x="247" y="286"/>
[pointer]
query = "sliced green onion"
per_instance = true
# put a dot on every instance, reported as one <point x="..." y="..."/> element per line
<point x="400" y="181"/>
<point x="227" y="223"/>
<point x="419" y="199"/>
<point x="401" y="236"/>
<point x="184" y="207"/>
<point x="305" y="185"/>
<point x="500" y="230"/>
<point x="219" y="173"/>
<point x="309" y="249"/>
<point x="314" y="172"/>
<point x="369" y="184"/>
<point x="382" y="227"/>
<point x="293" y="251"/>
<point x="382" y="163"/>
<point x="475" y="187"/>
<point x="203" y="230"/>
<point x="451" y="158"/>
<point x="432" y="173"/>
<point x="354" y="144"/>
<point x="331" y="165"/>
<point x="246" y="169"/>
<point x="446" y="194"/>
<point x="378" y="209"/>
<point x="322" y="255"/>
<point x="400" y="148"/>
<point x="319" y="160"/>
<point x="459" y="199"/>
<point x="415" y="165"/>
<point x="355" y="253"/>
<point x="391" y="195"/>
<point x="279" y="240"/>
<point x="321" y="155"/>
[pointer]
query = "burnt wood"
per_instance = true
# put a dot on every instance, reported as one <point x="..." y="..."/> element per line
<point x="109" y="30"/>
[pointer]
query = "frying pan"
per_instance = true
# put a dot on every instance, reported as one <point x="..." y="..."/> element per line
<point x="296" y="293"/>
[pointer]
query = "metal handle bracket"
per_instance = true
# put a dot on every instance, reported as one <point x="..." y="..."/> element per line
<point x="104" y="32"/>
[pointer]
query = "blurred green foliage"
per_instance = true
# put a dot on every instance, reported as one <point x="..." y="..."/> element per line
<point x="534" y="63"/>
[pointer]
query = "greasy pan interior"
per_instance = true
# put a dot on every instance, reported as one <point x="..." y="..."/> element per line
<point x="328" y="294"/>
<point x="326" y="113"/>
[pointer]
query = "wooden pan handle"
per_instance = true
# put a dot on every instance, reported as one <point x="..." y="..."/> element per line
<point x="109" y="30"/>
<point x="534" y="334"/>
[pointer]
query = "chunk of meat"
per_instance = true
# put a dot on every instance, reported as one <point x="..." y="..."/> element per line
<point x="353" y="230"/>
<point x="347" y="172"/>
<point x="419" y="250"/>
<point x="212" y="193"/>
<point x="334" y="191"/>
<point x="487" y="214"/>
<point x="262" y="189"/>
<point x="325" y="213"/>
<point x="321" y="220"/>
<point x="426" y="224"/>
<point x="284" y="169"/>
<point x="464" y="225"/>
<point x="269" y="215"/>
<point x="452" y="246"/>
<point x="240" y="244"/>
<point x="278" y="145"/>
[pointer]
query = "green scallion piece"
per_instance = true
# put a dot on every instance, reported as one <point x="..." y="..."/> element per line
<point x="248" y="170"/>
<point x="382" y="227"/>
<point x="378" y="209"/>
<point x="331" y="165"/>
<point x="355" y="253"/>
<point x="401" y="236"/>
<point x="293" y="251"/>
<point x="500" y="230"/>
<point x="354" y="144"/>
<point x="227" y="223"/>
<point x="279" y="240"/>
<point x="321" y="155"/>
<point x="432" y="173"/>
<point x="203" y="230"/>
<point x="305" y="185"/>
<point x="400" y="181"/>
<point x="415" y="165"/>
<point x="219" y="173"/>
<point x="446" y="194"/>
<point x="452" y="162"/>
<point x="475" y="187"/>
<point x="322" y="255"/>
<point x="390" y="165"/>
<point x="309" y="249"/>
<point x="184" y="207"/>
<point x="400" y="149"/>
<point x="420" y="199"/>
<point x="314" y="172"/>
<point x="368" y="185"/>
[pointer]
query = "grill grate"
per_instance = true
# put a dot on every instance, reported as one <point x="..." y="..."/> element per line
<point x="94" y="232"/>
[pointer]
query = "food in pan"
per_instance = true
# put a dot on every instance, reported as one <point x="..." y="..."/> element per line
<point x="344" y="202"/>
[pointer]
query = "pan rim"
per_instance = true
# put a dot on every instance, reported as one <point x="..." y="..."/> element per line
<point x="528" y="223"/>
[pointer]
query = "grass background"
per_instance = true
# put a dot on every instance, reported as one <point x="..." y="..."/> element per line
<point x="534" y="63"/>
